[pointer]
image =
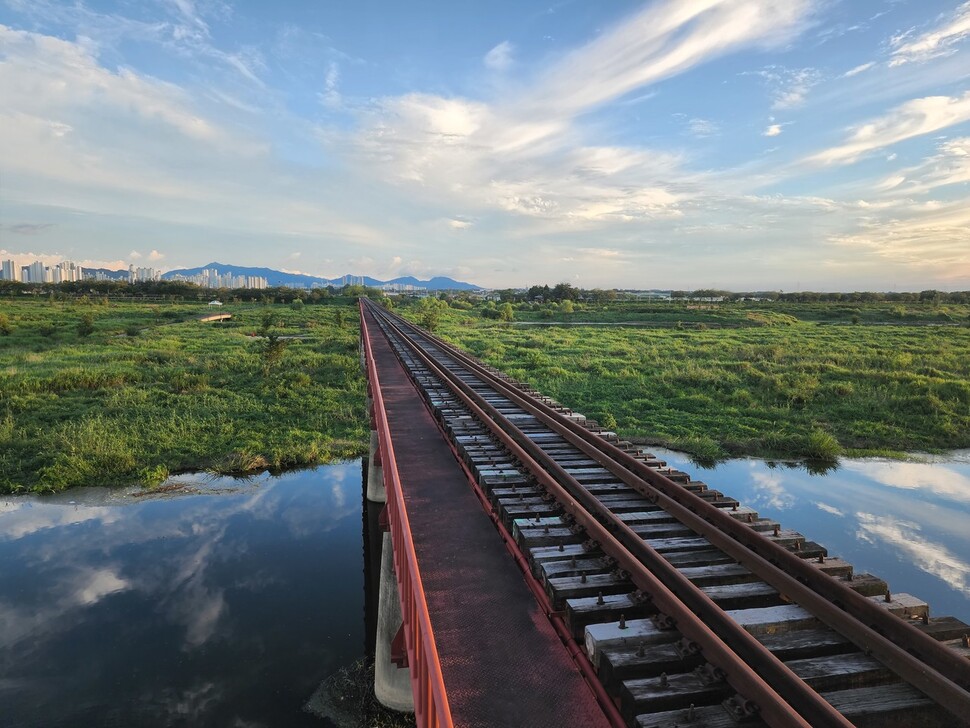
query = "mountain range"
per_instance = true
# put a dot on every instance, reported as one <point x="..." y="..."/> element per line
<point x="299" y="280"/>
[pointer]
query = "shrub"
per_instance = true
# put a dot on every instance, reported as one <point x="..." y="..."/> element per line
<point x="822" y="446"/>
<point x="85" y="326"/>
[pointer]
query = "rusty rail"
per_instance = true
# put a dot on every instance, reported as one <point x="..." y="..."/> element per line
<point x="938" y="672"/>
<point x="917" y="658"/>
<point x="671" y="593"/>
<point x="431" y="708"/>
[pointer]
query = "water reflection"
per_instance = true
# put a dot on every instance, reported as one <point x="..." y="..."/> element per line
<point x="220" y="608"/>
<point x="903" y="521"/>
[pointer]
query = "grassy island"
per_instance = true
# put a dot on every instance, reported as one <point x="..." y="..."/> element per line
<point x="98" y="392"/>
<point x="784" y="380"/>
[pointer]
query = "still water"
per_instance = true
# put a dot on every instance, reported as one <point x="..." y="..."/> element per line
<point x="906" y="522"/>
<point x="226" y="607"/>
<point x="228" y="603"/>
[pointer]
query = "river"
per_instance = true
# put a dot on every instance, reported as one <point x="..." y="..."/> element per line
<point x="227" y="602"/>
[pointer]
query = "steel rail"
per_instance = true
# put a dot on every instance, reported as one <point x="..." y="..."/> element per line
<point x="786" y="702"/>
<point x="929" y="666"/>
<point x="431" y="707"/>
<point x="576" y="653"/>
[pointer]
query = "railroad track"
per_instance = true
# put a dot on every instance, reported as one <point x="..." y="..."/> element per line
<point x="692" y="609"/>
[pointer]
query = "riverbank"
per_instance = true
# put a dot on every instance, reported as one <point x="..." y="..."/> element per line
<point x="745" y="379"/>
<point x="123" y="393"/>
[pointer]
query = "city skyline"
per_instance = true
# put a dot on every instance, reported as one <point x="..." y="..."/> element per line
<point x="734" y="144"/>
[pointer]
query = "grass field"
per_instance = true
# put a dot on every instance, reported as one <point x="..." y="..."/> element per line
<point x="95" y="393"/>
<point x="780" y="380"/>
<point x="119" y="393"/>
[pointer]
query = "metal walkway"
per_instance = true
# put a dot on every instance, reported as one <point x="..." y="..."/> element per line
<point x="501" y="660"/>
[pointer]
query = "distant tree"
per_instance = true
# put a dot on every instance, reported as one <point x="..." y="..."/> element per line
<point x="567" y="306"/>
<point x="430" y="312"/>
<point x="85" y="326"/>
<point x="505" y="312"/>
<point x="5" y="328"/>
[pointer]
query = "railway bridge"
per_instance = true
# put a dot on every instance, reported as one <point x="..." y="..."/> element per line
<point x="538" y="571"/>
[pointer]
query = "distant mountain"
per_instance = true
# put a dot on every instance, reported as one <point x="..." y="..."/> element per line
<point x="438" y="283"/>
<point x="120" y="275"/>
<point x="273" y="277"/>
<point x="299" y="280"/>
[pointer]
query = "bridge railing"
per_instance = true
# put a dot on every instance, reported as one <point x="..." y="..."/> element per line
<point x="430" y="698"/>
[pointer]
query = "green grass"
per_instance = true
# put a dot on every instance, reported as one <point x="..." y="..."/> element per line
<point x="152" y="391"/>
<point x="779" y="380"/>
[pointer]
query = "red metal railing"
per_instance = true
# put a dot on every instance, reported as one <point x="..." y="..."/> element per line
<point x="430" y="698"/>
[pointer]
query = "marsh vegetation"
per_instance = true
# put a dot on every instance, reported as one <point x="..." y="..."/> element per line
<point x="99" y="392"/>
<point x="792" y="380"/>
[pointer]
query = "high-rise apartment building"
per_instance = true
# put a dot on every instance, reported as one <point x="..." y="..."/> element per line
<point x="10" y="271"/>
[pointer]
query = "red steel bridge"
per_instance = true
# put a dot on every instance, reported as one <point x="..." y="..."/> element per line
<point x="547" y="574"/>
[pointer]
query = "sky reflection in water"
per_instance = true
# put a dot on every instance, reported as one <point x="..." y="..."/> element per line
<point x="221" y="608"/>
<point x="906" y="522"/>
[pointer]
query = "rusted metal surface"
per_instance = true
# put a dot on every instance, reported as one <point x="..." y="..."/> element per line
<point x="689" y="608"/>
<point x="935" y="670"/>
<point x="431" y="707"/>
<point x="576" y="652"/>
<point x="931" y="667"/>
<point x="501" y="660"/>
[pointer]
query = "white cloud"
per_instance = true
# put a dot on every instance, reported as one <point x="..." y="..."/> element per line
<point x="155" y="256"/>
<point x="934" y="479"/>
<point x="772" y="130"/>
<point x="829" y="509"/>
<point x="858" y="69"/>
<point x="931" y="236"/>
<point x="940" y="41"/>
<point x="911" y="119"/>
<point x="907" y="538"/>
<point x="950" y="165"/>
<point x="500" y="57"/>
<point x="660" y="41"/>
<point x="526" y="154"/>
<point x="331" y="94"/>
<point x="134" y="255"/>
<point x="788" y="86"/>
<point x="98" y="584"/>
<point x="703" y="127"/>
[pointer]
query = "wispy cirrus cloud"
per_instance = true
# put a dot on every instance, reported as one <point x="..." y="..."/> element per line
<point x="911" y="119"/>
<point x="931" y="235"/>
<point x="861" y="68"/>
<point x="910" y="47"/>
<point x="527" y="152"/>
<point x="789" y="87"/>
<point x="499" y="58"/>
<point x="950" y="165"/>
<point x="907" y="537"/>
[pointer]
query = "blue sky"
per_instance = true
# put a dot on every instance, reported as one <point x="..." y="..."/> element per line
<point x="742" y="144"/>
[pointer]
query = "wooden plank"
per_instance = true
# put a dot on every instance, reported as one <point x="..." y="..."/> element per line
<point x="718" y="574"/>
<point x="888" y="706"/>
<point x="803" y="643"/>
<point x="584" y="611"/>
<point x="841" y="672"/>
<point x="629" y="662"/>
<point x="704" y="716"/>
<point x="573" y="587"/>
<point x="656" y="694"/>
<point x="773" y="620"/>
<point x="637" y="631"/>
<point x="746" y="595"/>
<point x="904" y="605"/>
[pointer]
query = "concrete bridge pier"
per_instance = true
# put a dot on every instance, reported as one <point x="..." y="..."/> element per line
<point x="392" y="684"/>
<point x="375" y="472"/>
